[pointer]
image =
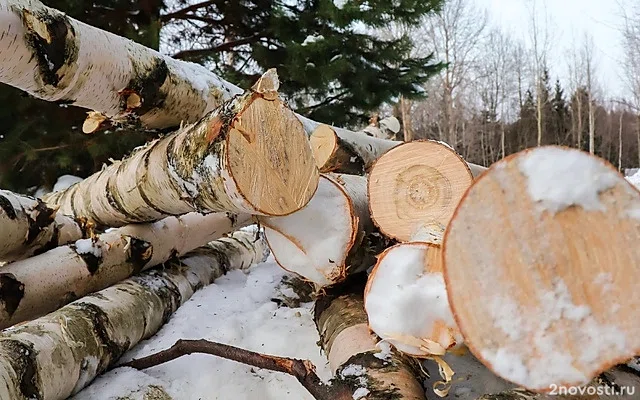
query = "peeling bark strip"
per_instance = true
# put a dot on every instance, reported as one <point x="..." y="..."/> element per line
<point x="331" y="237"/>
<point x="28" y="226"/>
<point x="57" y="58"/>
<point x="41" y="284"/>
<point x="57" y="355"/>
<point x="353" y="355"/>
<point x="340" y="150"/>
<point x="249" y="156"/>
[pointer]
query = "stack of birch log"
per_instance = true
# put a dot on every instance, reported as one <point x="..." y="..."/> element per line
<point x="415" y="255"/>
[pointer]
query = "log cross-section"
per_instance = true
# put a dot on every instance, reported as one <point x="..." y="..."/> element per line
<point x="250" y="156"/>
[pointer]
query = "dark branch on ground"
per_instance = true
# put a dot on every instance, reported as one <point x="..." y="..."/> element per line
<point x="303" y="370"/>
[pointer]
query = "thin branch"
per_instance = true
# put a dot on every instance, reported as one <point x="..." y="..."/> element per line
<point x="326" y="101"/>
<point x="216" y="49"/>
<point x="178" y="13"/>
<point x="194" y="17"/>
<point x="302" y="370"/>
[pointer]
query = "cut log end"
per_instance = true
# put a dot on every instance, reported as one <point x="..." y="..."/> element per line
<point x="317" y="253"/>
<point x="94" y="122"/>
<point x="549" y="296"/>
<point x="324" y="142"/>
<point x="270" y="160"/>
<point x="407" y="281"/>
<point x="415" y="187"/>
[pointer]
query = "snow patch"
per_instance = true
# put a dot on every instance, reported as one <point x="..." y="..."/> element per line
<point x="353" y="370"/>
<point x="88" y="246"/>
<point x="400" y="287"/>
<point x="340" y="3"/>
<point x="385" y="351"/>
<point x="237" y="310"/>
<point x="560" y="178"/>
<point x="634" y="179"/>
<point x="321" y="230"/>
<point x="312" y="39"/>
<point x="65" y="181"/>
<point x="360" y="393"/>
<point x="547" y="361"/>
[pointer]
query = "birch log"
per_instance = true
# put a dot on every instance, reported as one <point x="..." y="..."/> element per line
<point x="41" y="284"/>
<point x="614" y="384"/>
<point x="540" y="265"/>
<point x="249" y="156"/>
<point x="29" y="227"/>
<point x="342" y="151"/>
<point x="373" y="373"/>
<point x="55" y="356"/>
<point x="407" y="281"/>
<point x="331" y="237"/>
<point x="414" y="189"/>
<point x="57" y="58"/>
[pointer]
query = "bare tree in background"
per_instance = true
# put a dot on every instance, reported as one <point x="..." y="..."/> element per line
<point x="499" y="81"/>
<point x="589" y="72"/>
<point x="455" y="33"/>
<point x="575" y="84"/>
<point x="631" y="61"/>
<point x="540" y="43"/>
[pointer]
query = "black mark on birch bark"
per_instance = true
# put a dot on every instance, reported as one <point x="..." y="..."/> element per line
<point x="11" y="293"/>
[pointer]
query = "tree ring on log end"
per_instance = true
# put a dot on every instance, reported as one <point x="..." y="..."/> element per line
<point x="270" y="160"/>
<point x="541" y="268"/>
<point x="416" y="186"/>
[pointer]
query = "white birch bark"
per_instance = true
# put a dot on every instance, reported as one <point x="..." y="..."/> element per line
<point x="373" y="371"/>
<point x="55" y="356"/>
<point x="343" y="151"/>
<point x="57" y="58"/>
<point x="28" y="227"/>
<point x="331" y="237"/>
<point x="248" y="156"/>
<point x="41" y="284"/>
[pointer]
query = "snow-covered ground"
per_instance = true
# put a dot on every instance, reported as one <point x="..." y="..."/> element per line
<point x="238" y="310"/>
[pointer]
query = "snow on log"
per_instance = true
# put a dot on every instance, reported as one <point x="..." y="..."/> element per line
<point x="373" y="371"/>
<point x="57" y="58"/>
<point x="331" y="237"/>
<point x="342" y="151"/>
<point x="249" y="156"/>
<point x="540" y="264"/>
<point x="29" y="227"/>
<point x="41" y="284"/>
<point x="407" y="280"/>
<point x="55" y="356"/>
<point x="414" y="189"/>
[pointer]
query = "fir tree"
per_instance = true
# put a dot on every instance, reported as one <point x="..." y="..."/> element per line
<point x="331" y="68"/>
<point x="559" y="116"/>
<point x="39" y="140"/>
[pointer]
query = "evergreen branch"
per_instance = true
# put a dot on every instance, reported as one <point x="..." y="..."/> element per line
<point x="206" y="20"/>
<point x="324" y="102"/>
<point x="302" y="370"/>
<point x="216" y="49"/>
<point x="180" y="13"/>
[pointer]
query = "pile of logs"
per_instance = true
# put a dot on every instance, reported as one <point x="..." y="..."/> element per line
<point x="526" y="269"/>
